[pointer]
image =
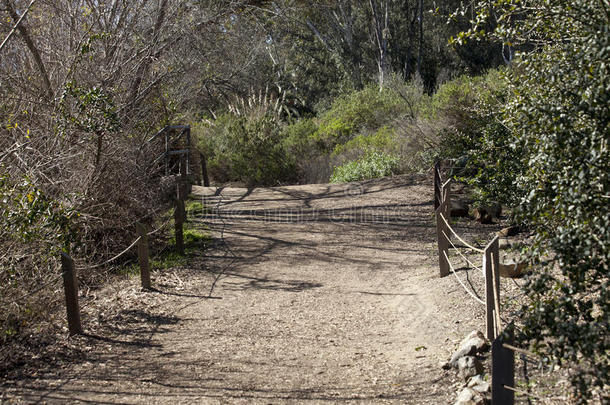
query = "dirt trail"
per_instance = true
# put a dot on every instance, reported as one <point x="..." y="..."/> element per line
<point x="323" y="293"/>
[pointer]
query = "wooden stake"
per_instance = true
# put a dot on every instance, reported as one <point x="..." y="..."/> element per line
<point x="179" y="216"/>
<point x="491" y="261"/>
<point x="143" y="255"/>
<point x="443" y="243"/>
<point x="204" y="171"/>
<point x="502" y="369"/>
<point x="437" y="185"/>
<point x="71" y="290"/>
<point x="184" y="183"/>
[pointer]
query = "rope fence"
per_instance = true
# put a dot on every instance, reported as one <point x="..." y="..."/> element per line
<point x="466" y="244"/>
<point x="128" y="248"/>
<point x="107" y="262"/>
<point x="471" y="293"/>
<point x="503" y="388"/>
<point x="69" y="270"/>
<point x="472" y="265"/>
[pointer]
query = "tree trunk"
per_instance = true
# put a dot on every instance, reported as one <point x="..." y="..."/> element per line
<point x="421" y="36"/>
<point x="48" y="91"/>
<point x="348" y="34"/>
<point x="147" y="61"/>
<point x="382" y="33"/>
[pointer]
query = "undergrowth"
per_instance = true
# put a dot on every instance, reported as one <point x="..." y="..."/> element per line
<point x="401" y="121"/>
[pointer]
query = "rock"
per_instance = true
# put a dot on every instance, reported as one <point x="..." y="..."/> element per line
<point x="468" y="396"/>
<point x="459" y="353"/>
<point x="478" y="338"/>
<point x="482" y="215"/>
<point x="472" y="344"/>
<point x="469" y="366"/>
<point x="459" y="209"/>
<point x="512" y="269"/>
<point x="479" y="384"/>
<point x="508" y="231"/>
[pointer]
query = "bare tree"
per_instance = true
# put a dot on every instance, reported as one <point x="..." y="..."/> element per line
<point x="381" y="29"/>
<point x="80" y="89"/>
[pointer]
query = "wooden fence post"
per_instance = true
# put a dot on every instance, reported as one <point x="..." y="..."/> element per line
<point x="443" y="243"/>
<point x="502" y="369"/>
<point x="184" y="183"/>
<point x="179" y="217"/>
<point x="446" y="195"/>
<point x="71" y="290"/>
<point x="437" y="185"/>
<point x="188" y="146"/>
<point x="491" y="253"/>
<point x="204" y="171"/>
<point x="143" y="255"/>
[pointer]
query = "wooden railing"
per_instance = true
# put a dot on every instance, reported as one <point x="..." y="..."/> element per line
<point x="69" y="271"/>
<point x="502" y="353"/>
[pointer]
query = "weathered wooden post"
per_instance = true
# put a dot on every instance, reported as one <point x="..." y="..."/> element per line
<point x="143" y="255"/>
<point x="446" y="195"/>
<point x="166" y="150"/>
<point x="204" y="171"/>
<point x="503" y="369"/>
<point x="184" y="182"/>
<point x="443" y="244"/>
<point x="179" y="217"/>
<point x="71" y="290"/>
<point x="437" y="185"/>
<point x="188" y="147"/>
<point x="491" y="262"/>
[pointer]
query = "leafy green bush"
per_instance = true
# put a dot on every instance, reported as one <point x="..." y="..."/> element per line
<point x="462" y="109"/>
<point x="248" y="149"/>
<point x="384" y="139"/>
<point x="298" y="137"/>
<point x="355" y="113"/>
<point x="557" y="121"/>
<point x="370" y="166"/>
<point x="42" y="228"/>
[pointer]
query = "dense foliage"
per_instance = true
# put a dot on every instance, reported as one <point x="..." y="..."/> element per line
<point x="555" y="130"/>
<point x="246" y="149"/>
<point x="257" y="146"/>
<point x="76" y="103"/>
<point x="370" y="166"/>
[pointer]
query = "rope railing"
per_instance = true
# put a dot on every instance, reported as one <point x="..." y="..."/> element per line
<point x="471" y="293"/>
<point x="466" y="244"/>
<point x="127" y="249"/>
<point x="89" y="267"/>
<point x="106" y="262"/>
<point x="472" y="265"/>
<point x="521" y="351"/>
<point x="503" y="388"/>
<point x="521" y="392"/>
<point x="169" y="220"/>
<point x="69" y="269"/>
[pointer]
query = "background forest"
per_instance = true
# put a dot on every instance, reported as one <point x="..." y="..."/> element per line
<point x="293" y="91"/>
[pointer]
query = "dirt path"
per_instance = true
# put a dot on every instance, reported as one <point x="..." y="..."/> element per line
<point x="320" y="293"/>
